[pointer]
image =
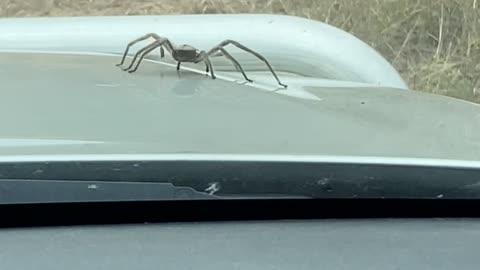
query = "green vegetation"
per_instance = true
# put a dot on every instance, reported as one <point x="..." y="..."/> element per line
<point x="434" y="44"/>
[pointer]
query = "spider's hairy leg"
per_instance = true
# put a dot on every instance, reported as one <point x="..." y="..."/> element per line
<point x="178" y="65"/>
<point x="209" y="66"/>
<point x="130" y="44"/>
<point x="259" y="56"/>
<point x="217" y="54"/>
<point x="203" y="56"/>
<point x="231" y="58"/>
<point x="147" y="50"/>
<point x="139" y="53"/>
<point x="162" y="52"/>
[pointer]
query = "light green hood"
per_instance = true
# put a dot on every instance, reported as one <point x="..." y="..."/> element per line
<point x="82" y="104"/>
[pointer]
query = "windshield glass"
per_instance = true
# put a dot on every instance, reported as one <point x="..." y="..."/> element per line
<point x="345" y="82"/>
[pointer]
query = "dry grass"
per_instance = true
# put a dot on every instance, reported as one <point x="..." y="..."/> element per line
<point x="435" y="44"/>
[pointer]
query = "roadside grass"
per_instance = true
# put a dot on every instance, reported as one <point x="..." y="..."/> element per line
<point x="434" y="44"/>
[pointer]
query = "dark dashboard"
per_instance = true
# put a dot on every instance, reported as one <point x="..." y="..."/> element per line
<point x="316" y="244"/>
<point x="242" y="234"/>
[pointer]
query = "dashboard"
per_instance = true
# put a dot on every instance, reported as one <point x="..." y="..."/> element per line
<point x="289" y="244"/>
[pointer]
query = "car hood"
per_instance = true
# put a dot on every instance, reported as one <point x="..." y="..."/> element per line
<point x="71" y="104"/>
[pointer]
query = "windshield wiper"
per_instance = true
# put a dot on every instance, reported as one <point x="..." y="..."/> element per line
<point x="13" y="191"/>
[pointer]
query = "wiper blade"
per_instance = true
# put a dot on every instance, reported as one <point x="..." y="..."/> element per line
<point x="13" y="191"/>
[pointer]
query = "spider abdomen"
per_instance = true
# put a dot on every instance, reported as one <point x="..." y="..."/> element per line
<point x="185" y="53"/>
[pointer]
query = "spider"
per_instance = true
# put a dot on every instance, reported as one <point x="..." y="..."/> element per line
<point x="187" y="53"/>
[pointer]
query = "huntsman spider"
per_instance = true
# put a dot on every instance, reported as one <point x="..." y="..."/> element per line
<point x="187" y="53"/>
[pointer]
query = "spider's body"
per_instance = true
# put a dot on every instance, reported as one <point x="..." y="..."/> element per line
<point x="187" y="53"/>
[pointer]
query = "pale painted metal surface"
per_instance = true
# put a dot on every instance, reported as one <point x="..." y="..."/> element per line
<point x="295" y="45"/>
<point x="90" y="107"/>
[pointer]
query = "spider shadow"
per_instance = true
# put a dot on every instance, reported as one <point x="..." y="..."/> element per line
<point x="243" y="82"/>
<point x="189" y="76"/>
<point x="278" y="89"/>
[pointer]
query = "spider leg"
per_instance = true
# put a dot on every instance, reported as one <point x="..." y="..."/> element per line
<point x="155" y="43"/>
<point x="231" y="58"/>
<point x="130" y="44"/>
<point x="162" y="52"/>
<point x="259" y="56"/>
<point x="218" y="54"/>
<point x="203" y="56"/>
<point x="149" y="48"/>
<point x="209" y="66"/>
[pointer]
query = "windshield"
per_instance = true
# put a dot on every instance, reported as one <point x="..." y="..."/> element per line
<point x="347" y="98"/>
